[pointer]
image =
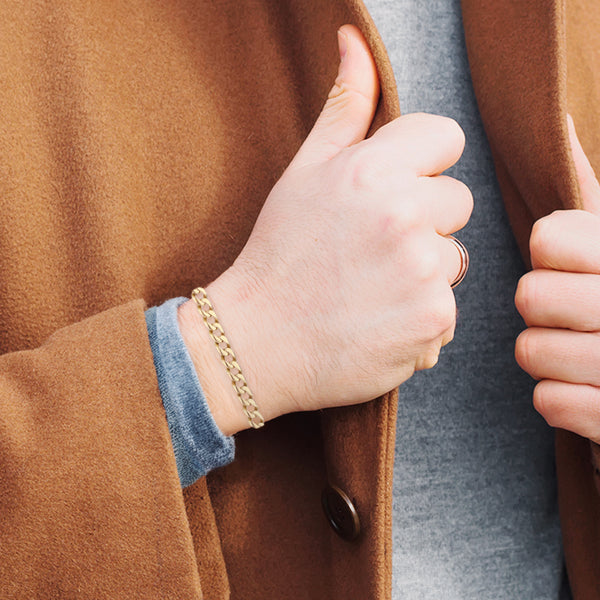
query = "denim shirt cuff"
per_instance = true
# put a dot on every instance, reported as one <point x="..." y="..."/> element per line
<point x="198" y="443"/>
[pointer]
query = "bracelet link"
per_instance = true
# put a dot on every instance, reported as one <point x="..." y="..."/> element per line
<point x="238" y="381"/>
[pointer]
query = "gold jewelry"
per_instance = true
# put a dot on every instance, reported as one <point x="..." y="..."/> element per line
<point x="464" y="260"/>
<point x="228" y="357"/>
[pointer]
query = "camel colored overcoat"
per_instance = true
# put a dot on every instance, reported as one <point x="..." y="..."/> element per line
<point x="138" y="141"/>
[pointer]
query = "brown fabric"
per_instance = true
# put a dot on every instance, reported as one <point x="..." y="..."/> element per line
<point x="89" y="491"/>
<point x="137" y="144"/>
<point x="522" y="100"/>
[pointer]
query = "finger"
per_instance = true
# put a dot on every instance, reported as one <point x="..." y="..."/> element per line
<point x="452" y="261"/>
<point x="348" y="112"/>
<point x="426" y="144"/>
<point x="555" y="299"/>
<point x="444" y="320"/>
<point x="566" y="240"/>
<point x="450" y="202"/>
<point x="588" y="183"/>
<point x="569" y="406"/>
<point x="559" y="354"/>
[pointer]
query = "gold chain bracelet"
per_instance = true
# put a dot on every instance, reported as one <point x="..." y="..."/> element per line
<point x="228" y="357"/>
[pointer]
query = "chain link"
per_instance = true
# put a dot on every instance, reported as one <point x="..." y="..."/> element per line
<point x="234" y="371"/>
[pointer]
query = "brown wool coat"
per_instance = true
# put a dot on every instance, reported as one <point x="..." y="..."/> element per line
<point x="137" y="143"/>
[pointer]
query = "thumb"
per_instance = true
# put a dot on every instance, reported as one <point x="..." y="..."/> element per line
<point x="588" y="184"/>
<point x="350" y="106"/>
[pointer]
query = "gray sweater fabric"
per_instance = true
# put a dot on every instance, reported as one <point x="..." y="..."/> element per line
<point x="475" y="510"/>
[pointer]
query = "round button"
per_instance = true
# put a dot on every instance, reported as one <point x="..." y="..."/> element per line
<point x="340" y="512"/>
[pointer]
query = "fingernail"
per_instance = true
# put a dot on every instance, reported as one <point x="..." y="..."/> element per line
<point x="342" y="44"/>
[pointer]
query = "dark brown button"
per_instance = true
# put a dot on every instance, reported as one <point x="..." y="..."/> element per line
<point x="340" y="512"/>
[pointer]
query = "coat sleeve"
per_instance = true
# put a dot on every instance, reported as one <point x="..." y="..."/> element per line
<point x="90" y="500"/>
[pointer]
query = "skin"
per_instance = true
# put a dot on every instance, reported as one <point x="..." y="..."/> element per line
<point x="343" y="289"/>
<point x="559" y="301"/>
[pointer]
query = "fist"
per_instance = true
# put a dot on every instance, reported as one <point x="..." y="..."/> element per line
<point x="343" y="288"/>
<point x="560" y="303"/>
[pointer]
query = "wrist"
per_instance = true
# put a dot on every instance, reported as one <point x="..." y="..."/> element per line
<point x="216" y="385"/>
<point x="238" y="307"/>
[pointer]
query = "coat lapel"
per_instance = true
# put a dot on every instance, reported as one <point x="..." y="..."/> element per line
<point x="518" y="65"/>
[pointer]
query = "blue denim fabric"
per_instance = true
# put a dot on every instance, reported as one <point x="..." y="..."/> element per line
<point x="198" y="443"/>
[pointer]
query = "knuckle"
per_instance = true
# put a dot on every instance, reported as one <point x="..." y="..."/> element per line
<point x="410" y="214"/>
<point x="446" y="126"/>
<point x="543" y="402"/>
<point x="419" y="119"/>
<point x="466" y="197"/>
<point x="525" y="350"/>
<point x="342" y="93"/>
<point x="428" y="359"/>
<point x="397" y="224"/>
<point x="525" y="296"/>
<point x="442" y="317"/>
<point x="542" y="237"/>
<point x="362" y="170"/>
<point x="460" y="198"/>
<point x="440" y="123"/>
<point x="453" y="130"/>
<point x="426" y="264"/>
<point x="540" y="399"/>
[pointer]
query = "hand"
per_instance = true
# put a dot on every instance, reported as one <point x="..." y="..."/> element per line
<point x="342" y="290"/>
<point x="560" y="303"/>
